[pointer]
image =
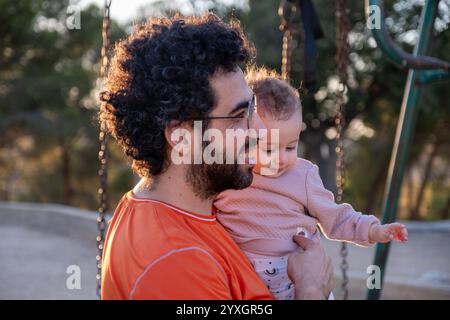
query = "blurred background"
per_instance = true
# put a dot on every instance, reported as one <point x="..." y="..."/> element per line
<point x="49" y="133"/>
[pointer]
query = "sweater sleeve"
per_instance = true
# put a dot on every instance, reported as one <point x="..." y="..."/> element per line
<point x="337" y="221"/>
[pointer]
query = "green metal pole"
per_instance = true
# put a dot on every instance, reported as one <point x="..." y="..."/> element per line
<point x="403" y="139"/>
<point x="375" y="12"/>
<point x="429" y="76"/>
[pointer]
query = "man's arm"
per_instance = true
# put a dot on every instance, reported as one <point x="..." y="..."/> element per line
<point x="311" y="270"/>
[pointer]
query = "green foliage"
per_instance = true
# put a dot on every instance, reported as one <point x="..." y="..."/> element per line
<point x="47" y="77"/>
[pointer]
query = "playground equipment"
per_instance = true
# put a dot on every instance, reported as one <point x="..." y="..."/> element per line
<point x="103" y="154"/>
<point x="422" y="70"/>
<point x="311" y="30"/>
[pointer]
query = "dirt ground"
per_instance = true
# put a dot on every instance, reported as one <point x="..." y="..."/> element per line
<point x="34" y="257"/>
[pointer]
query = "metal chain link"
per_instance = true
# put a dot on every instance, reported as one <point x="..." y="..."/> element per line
<point x="343" y="26"/>
<point x="287" y="16"/>
<point x="103" y="153"/>
<point x="286" y="56"/>
<point x="286" y="11"/>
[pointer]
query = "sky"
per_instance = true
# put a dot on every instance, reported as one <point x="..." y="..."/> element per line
<point x="121" y="10"/>
<point x="126" y="10"/>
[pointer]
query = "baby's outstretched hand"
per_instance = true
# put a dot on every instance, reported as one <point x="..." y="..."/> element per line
<point x="387" y="232"/>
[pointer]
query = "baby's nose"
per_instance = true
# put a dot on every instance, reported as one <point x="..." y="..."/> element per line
<point x="257" y="123"/>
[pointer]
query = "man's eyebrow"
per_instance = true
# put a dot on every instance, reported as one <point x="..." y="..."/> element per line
<point x="239" y="106"/>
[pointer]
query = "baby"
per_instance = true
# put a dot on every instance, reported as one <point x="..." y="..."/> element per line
<point x="263" y="218"/>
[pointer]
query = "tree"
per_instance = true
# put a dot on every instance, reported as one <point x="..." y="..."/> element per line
<point x="48" y="73"/>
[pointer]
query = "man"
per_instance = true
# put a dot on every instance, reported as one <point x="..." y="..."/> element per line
<point x="164" y="241"/>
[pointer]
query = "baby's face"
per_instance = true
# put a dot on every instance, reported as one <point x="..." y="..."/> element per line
<point x="289" y="134"/>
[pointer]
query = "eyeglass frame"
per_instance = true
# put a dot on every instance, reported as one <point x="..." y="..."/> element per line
<point x="251" y="109"/>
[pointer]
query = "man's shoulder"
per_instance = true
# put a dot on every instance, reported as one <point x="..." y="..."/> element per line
<point x="151" y="227"/>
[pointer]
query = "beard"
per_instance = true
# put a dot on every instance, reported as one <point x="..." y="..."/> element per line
<point x="208" y="180"/>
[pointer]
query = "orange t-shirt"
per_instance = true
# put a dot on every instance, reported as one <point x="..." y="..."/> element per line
<point x="154" y="250"/>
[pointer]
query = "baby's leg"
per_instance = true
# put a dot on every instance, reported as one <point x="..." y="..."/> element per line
<point x="273" y="271"/>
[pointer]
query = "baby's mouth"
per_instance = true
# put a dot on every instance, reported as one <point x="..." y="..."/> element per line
<point x="269" y="171"/>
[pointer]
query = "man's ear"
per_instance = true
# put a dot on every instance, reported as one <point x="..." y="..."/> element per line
<point x="176" y="133"/>
<point x="178" y="137"/>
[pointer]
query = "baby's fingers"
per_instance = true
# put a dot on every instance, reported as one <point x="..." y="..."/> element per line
<point x="403" y="235"/>
<point x="389" y="236"/>
<point x="395" y="227"/>
<point x="399" y="231"/>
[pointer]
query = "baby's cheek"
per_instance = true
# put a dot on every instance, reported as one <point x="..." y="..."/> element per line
<point x="292" y="159"/>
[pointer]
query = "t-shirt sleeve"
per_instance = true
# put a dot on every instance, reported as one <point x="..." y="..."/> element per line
<point x="183" y="274"/>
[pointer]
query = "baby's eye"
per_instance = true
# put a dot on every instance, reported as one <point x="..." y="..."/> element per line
<point x="290" y="148"/>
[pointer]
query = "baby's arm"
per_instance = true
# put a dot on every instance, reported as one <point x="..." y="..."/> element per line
<point x="342" y="222"/>
<point x="338" y="221"/>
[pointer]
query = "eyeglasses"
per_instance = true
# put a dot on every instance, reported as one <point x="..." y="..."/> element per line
<point x="251" y="108"/>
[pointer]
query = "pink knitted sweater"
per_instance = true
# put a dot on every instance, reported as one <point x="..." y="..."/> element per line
<point x="263" y="218"/>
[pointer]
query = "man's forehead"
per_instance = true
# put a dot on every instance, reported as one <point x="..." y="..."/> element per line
<point x="230" y="88"/>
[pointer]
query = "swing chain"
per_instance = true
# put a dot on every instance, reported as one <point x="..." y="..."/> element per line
<point x="103" y="154"/>
<point x="343" y="26"/>
<point x="287" y="11"/>
<point x="105" y="38"/>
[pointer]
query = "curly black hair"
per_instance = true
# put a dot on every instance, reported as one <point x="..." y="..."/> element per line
<point x="161" y="73"/>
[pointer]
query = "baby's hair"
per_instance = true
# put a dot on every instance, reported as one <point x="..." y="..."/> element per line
<point x="276" y="97"/>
